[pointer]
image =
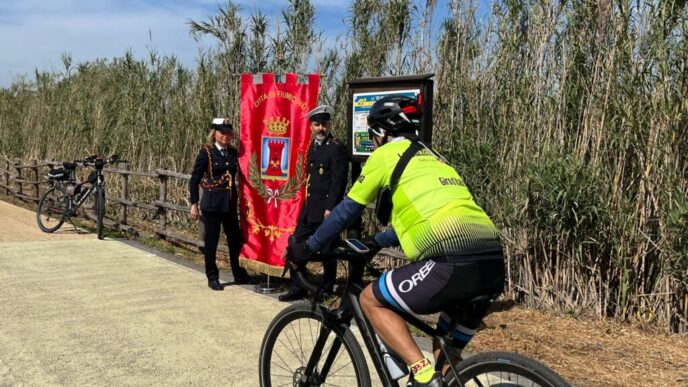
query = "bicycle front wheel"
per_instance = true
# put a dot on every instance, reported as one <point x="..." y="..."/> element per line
<point x="100" y="211"/>
<point x="52" y="210"/>
<point x="290" y="342"/>
<point x="504" y="369"/>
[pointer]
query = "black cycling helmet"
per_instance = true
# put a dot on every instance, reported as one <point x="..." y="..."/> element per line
<point x="395" y="114"/>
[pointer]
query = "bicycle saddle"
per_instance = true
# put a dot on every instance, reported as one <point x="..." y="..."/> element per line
<point x="68" y="165"/>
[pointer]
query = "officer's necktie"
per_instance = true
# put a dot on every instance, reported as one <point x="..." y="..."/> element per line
<point x="224" y="152"/>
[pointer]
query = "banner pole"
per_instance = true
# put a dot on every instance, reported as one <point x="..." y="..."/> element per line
<point x="265" y="288"/>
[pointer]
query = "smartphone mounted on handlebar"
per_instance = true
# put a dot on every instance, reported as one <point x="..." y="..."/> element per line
<point x="357" y="246"/>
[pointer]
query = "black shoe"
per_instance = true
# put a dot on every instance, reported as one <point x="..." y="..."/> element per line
<point x="436" y="381"/>
<point x="242" y="280"/>
<point x="293" y="294"/>
<point x="215" y="284"/>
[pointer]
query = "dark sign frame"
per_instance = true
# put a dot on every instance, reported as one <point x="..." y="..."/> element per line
<point x="384" y="85"/>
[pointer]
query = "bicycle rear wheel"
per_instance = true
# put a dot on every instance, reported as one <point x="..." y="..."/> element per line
<point x="289" y="342"/>
<point x="100" y="211"/>
<point x="504" y="369"/>
<point x="52" y="210"/>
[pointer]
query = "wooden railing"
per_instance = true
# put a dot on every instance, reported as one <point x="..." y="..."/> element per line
<point x="21" y="177"/>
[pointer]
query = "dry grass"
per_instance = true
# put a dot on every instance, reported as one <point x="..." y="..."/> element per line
<point x="588" y="352"/>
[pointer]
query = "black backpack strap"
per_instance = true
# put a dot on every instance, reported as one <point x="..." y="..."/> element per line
<point x="403" y="162"/>
<point x="383" y="205"/>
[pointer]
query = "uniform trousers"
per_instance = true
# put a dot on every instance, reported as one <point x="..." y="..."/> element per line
<point x="230" y="224"/>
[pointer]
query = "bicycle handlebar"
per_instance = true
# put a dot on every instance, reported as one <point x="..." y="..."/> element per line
<point x="340" y="253"/>
<point x="93" y="159"/>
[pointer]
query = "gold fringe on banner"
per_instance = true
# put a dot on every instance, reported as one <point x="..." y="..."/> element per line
<point x="262" y="267"/>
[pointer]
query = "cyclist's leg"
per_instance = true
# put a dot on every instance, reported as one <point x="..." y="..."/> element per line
<point x="479" y="277"/>
<point x="391" y="327"/>
<point x="407" y="289"/>
<point x="464" y="331"/>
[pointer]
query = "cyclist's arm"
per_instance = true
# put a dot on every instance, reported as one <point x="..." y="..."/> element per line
<point x="365" y="188"/>
<point x="387" y="238"/>
<point x="341" y="217"/>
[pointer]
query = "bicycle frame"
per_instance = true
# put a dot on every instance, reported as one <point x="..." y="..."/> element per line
<point x="77" y="200"/>
<point x="350" y="309"/>
<point x="81" y="198"/>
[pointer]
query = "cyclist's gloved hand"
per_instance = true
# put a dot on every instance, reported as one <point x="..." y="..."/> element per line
<point x="372" y="245"/>
<point x="298" y="251"/>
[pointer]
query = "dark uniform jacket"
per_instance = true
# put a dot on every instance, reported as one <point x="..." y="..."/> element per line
<point x="220" y="197"/>
<point x="328" y="166"/>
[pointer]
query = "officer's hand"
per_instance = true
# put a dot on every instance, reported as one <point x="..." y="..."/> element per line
<point x="298" y="251"/>
<point x="327" y="213"/>
<point x="371" y="244"/>
<point x="195" y="214"/>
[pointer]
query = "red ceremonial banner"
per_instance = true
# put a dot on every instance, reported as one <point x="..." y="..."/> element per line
<point x="274" y="139"/>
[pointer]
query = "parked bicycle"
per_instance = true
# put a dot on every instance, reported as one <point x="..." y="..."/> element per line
<point x="61" y="202"/>
<point x="308" y="344"/>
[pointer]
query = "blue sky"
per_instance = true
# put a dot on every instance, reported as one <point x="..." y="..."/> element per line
<point x="34" y="33"/>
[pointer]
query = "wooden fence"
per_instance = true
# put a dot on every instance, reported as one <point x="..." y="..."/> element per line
<point x="22" y="177"/>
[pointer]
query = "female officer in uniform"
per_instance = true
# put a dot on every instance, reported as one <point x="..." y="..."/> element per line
<point x="215" y="170"/>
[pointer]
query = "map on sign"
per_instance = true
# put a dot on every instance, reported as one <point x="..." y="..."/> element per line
<point x="362" y="102"/>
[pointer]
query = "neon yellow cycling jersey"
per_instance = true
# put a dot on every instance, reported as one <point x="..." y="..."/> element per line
<point x="433" y="212"/>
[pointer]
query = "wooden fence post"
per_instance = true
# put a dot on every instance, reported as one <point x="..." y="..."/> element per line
<point x="7" y="177"/>
<point x="163" y="198"/>
<point x="125" y="194"/>
<point x="34" y="168"/>
<point x="17" y="164"/>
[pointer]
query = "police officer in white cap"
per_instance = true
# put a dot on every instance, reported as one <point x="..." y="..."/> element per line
<point x="215" y="170"/>
<point x="328" y="166"/>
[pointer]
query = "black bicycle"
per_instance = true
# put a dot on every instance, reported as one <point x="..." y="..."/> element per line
<point x="61" y="202"/>
<point x="308" y="344"/>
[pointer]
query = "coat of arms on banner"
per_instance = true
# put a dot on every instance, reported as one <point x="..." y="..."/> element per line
<point x="275" y="154"/>
<point x="275" y="158"/>
<point x="274" y="164"/>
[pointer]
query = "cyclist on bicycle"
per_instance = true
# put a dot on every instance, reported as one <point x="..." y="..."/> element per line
<point x="453" y="247"/>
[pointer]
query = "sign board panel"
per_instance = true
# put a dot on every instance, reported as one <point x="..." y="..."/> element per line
<point x="364" y="92"/>
<point x="362" y="102"/>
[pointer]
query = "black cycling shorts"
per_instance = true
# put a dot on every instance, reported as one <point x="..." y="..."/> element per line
<point x="438" y="284"/>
